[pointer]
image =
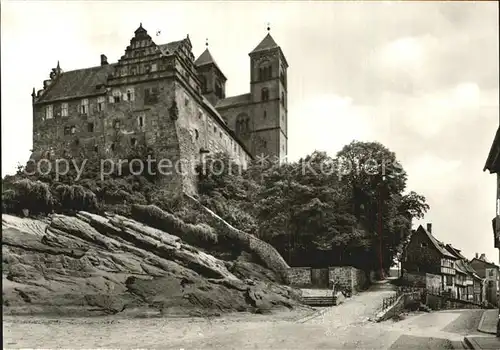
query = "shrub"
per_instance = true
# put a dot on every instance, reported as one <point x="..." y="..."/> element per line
<point x="26" y="194"/>
<point x="75" y="198"/>
<point x="199" y="234"/>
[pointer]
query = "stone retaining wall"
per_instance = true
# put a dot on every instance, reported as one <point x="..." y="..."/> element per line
<point x="346" y="276"/>
<point x="299" y="276"/>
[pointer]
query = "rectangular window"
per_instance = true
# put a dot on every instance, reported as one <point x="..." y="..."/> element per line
<point x="67" y="130"/>
<point x="100" y="103"/>
<point x="90" y="127"/>
<point x="49" y="112"/>
<point x="64" y="109"/>
<point x="153" y="67"/>
<point x="449" y="280"/>
<point x="151" y="95"/>
<point x="130" y="94"/>
<point x="84" y="107"/>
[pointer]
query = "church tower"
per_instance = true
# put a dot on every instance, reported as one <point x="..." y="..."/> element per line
<point x="268" y="90"/>
<point x="213" y="81"/>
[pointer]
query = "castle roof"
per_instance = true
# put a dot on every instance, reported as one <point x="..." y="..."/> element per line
<point x="205" y="59"/>
<point x="170" y="48"/>
<point x="266" y="44"/>
<point x="233" y="101"/>
<point x="78" y="83"/>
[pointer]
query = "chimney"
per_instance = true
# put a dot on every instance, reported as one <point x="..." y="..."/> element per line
<point x="477" y="255"/>
<point x="483" y="257"/>
<point x="104" y="60"/>
<point x="429" y="227"/>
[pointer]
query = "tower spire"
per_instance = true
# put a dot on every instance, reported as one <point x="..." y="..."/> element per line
<point x="268" y="27"/>
<point x="206" y="42"/>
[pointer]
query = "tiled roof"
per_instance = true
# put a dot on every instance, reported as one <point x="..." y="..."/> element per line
<point x="169" y="48"/>
<point x="493" y="161"/>
<point x="460" y="267"/>
<point x="266" y="44"/>
<point x="77" y="83"/>
<point x="205" y="59"/>
<point x="455" y="251"/>
<point x="233" y="100"/>
<point x="437" y="244"/>
<point x="486" y="262"/>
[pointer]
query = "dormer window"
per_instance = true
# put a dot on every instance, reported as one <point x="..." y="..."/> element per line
<point x="264" y="94"/>
<point x="84" y="107"/>
<point x="49" y="112"/>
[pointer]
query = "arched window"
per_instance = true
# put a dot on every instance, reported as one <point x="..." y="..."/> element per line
<point x="203" y="83"/>
<point x="196" y="134"/>
<point x="218" y="90"/>
<point x="243" y="125"/>
<point x="130" y="95"/>
<point x="264" y="94"/>
<point x="265" y="71"/>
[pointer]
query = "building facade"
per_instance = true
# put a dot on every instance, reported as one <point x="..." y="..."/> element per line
<point x="425" y="254"/>
<point x="490" y="273"/>
<point x="158" y="96"/>
<point x="493" y="166"/>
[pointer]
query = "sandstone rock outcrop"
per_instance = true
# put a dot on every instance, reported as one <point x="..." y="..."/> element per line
<point x="92" y="264"/>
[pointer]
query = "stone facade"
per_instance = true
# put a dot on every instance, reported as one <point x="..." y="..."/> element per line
<point x="300" y="276"/>
<point x="160" y="98"/>
<point x="346" y="276"/>
<point x="422" y="280"/>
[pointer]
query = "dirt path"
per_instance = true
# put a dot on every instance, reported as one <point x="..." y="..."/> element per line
<point x="336" y="327"/>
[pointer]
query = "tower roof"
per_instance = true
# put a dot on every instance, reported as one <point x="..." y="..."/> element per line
<point x="206" y="59"/>
<point x="266" y="44"/>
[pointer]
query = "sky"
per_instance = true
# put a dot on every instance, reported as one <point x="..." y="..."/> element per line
<point x="421" y="78"/>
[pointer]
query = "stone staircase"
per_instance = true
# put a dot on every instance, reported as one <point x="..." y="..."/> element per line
<point x="319" y="301"/>
<point x="318" y="297"/>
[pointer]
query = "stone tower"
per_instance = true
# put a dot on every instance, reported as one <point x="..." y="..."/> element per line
<point x="212" y="80"/>
<point x="268" y="90"/>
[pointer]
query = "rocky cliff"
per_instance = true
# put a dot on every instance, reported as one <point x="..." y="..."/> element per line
<point x="156" y="264"/>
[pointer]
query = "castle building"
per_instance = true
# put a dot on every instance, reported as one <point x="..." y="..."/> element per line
<point x="160" y="97"/>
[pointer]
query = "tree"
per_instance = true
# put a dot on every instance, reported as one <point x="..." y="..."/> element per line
<point x="377" y="181"/>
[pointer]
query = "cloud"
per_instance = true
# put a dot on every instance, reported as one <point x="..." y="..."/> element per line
<point x="326" y="123"/>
